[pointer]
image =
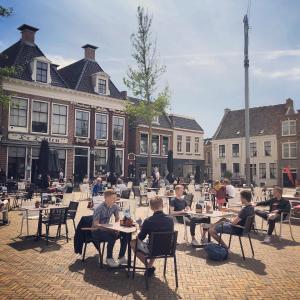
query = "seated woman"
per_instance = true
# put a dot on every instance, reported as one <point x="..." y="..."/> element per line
<point x="98" y="187"/>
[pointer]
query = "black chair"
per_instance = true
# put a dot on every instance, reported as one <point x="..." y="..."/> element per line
<point x="72" y="210"/>
<point x="189" y="199"/>
<point x="249" y="225"/>
<point x="137" y="193"/>
<point x="161" y="245"/>
<point x="57" y="217"/>
<point x="125" y="194"/>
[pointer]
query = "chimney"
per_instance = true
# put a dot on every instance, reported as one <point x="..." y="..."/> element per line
<point x="89" y="51"/>
<point x="55" y="66"/>
<point x="289" y="103"/>
<point x="124" y="95"/>
<point x="28" y="33"/>
<point x="226" y="111"/>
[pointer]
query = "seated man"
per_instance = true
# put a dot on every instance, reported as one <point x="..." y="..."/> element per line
<point x="102" y="215"/>
<point x="178" y="206"/>
<point x="159" y="222"/>
<point x="277" y="205"/>
<point x="226" y="226"/>
<point x="98" y="187"/>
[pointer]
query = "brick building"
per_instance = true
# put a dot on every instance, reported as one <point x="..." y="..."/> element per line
<point x="77" y="109"/>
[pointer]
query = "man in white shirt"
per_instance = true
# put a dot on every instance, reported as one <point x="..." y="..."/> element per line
<point x="230" y="189"/>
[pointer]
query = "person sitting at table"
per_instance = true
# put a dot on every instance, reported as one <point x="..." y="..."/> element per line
<point x="158" y="222"/>
<point x="220" y="194"/>
<point x="120" y="186"/>
<point x="102" y="215"/>
<point x="68" y="188"/>
<point x="85" y="180"/>
<point x="179" y="206"/>
<point x="225" y="226"/>
<point x="277" y="205"/>
<point x="98" y="187"/>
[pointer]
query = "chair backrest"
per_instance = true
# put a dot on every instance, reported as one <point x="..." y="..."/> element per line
<point x="72" y="210"/>
<point x="162" y="244"/>
<point x="21" y="186"/>
<point x="84" y="188"/>
<point x="129" y="185"/>
<point x="249" y="224"/>
<point x="189" y="199"/>
<point x="136" y="191"/>
<point x="125" y="194"/>
<point x="97" y="200"/>
<point x="58" y="216"/>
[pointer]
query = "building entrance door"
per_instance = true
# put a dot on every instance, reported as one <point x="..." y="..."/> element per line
<point x="81" y="164"/>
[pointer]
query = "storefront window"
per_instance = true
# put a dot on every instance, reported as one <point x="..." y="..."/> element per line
<point x="119" y="162"/>
<point x="100" y="161"/>
<point x="16" y="162"/>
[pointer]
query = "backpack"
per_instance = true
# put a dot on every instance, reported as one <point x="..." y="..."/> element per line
<point x="216" y="252"/>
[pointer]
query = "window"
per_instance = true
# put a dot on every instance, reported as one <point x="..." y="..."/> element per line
<point x="118" y="128"/>
<point x="18" y="112"/>
<point x="119" y="162"/>
<point x="267" y="147"/>
<point x="101" y="126"/>
<point x="188" y="144"/>
<point x="289" y="127"/>
<point x="41" y="71"/>
<point x="165" y="145"/>
<point x="102" y="86"/>
<point x="62" y="159"/>
<point x="289" y="150"/>
<point x="179" y="143"/>
<point x="155" y="120"/>
<point x="144" y="143"/>
<point x="40" y="117"/>
<point x="221" y="150"/>
<point x="100" y="161"/>
<point x="208" y="158"/>
<point x="82" y="123"/>
<point x="59" y="119"/>
<point x="273" y="170"/>
<point x="253" y="149"/>
<point x="197" y="145"/>
<point x="235" y="150"/>
<point x="262" y="171"/>
<point x="16" y="162"/>
<point x="236" y="169"/>
<point x="253" y="170"/>
<point x="223" y="168"/>
<point x="155" y="144"/>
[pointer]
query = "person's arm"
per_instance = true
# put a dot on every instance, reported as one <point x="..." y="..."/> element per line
<point x="117" y="214"/>
<point x="286" y="207"/>
<point x="176" y="213"/>
<point x="236" y="220"/>
<point x="264" y="203"/>
<point x="144" y="231"/>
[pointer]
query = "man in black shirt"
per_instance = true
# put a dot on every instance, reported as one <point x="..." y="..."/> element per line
<point x="178" y="207"/>
<point x="225" y="226"/>
<point x="277" y="206"/>
<point x="158" y="222"/>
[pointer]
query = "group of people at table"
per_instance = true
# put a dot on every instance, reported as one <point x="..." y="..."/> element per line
<point x="179" y="209"/>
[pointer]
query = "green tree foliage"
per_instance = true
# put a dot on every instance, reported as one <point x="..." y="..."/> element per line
<point x="142" y="78"/>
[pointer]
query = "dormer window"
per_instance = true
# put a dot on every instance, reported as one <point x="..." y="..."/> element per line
<point x="155" y="120"/>
<point x="102" y="86"/>
<point x="41" y="71"/>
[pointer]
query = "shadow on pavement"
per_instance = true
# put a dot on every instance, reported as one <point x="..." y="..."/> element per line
<point x="116" y="281"/>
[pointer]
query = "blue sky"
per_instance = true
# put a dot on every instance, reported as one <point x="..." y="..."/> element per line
<point x="199" y="41"/>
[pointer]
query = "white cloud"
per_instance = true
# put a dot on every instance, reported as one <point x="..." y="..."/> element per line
<point x="60" y="60"/>
<point x="275" y="54"/>
<point x="292" y="73"/>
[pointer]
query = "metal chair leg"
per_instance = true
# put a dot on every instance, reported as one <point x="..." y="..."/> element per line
<point x="84" y="250"/>
<point x="165" y="266"/>
<point x="291" y="231"/>
<point x="74" y="224"/>
<point x="27" y="222"/>
<point x="134" y="261"/>
<point x="21" y="231"/>
<point x="242" y="248"/>
<point x="229" y="244"/>
<point x="47" y="234"/>
<point x="175" y="269"/>
<point x="146" y="275"/>
<point x="67" y="232"/>
<point x="250" y="241"/>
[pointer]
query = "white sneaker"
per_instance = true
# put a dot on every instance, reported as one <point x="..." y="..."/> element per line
<point x="195" y="243"/>
<point x="267" y="239"/>
<point x="112" y="263"/>
<point x="122" y="261"/>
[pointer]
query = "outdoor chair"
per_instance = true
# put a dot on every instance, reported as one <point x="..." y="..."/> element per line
<point x="57" y="217"/>
<point x="162" y="245"/>
<point x="28" y="215"/>
<point x="4" y="212"/>
<point x="72" y="210"/>
<point x="246" y="232"/>
<point x="137" y="193"/>
<point x="125" y="194"/>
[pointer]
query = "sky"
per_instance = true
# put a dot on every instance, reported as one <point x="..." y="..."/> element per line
<point x="199" y="41"/>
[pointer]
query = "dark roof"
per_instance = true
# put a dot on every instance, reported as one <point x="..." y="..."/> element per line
<point x="207" y="141"/>
<point x="21" y="54"/>
<point x="78" y="77"/>
<point x="185" y="123"/>
<point x="263" y="121"/>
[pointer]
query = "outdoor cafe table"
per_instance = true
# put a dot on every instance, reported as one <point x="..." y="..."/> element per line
<point x="291" y="197"/>
<point x="40" y="210"/>
<point x="119" y="228"/>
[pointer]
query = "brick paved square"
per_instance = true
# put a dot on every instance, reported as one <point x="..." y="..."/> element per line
<point x="33" y="270"/>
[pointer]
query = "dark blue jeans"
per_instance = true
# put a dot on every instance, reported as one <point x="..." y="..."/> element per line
<point x="110" y="238"/>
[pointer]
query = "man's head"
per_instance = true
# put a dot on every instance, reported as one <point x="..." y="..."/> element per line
<point x="246" y="197"/>
<point x="226" y="181"/>
<point x="110" y="197"/>
<point x="156" y="203"/>
<point x="178" y="191"/>
<point x="99" y="180"/>
<point x="277" y="192"/>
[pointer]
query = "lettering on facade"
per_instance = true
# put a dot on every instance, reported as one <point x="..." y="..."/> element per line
<point x="36" y="138"/>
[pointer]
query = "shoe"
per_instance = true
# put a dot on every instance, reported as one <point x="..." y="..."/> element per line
<point x="267" y="239"/>
<point x="112" y="263"/>
<point x="204" y="241"/>
<point x="122" y="261"/>
<point x="195" y="243"/>
<point x="149" y="272"/>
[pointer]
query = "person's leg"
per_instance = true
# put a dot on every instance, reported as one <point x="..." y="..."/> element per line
<point x="271" y="224"/>
<point x="220" y="227"/>
<point x="124" y="243"/>
<point x="107" y="237"/>
<point x="262" y="214"/>
<point x="141" y="255"/>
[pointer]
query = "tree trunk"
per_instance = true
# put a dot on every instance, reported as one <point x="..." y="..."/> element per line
<point x="149" y="163"/>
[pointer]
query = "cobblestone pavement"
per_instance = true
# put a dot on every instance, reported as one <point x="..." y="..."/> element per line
<point x="33" y="270"/>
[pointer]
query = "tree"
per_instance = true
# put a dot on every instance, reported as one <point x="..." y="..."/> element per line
<point x="142" y="79"/>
